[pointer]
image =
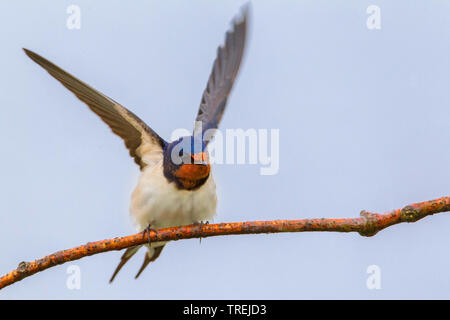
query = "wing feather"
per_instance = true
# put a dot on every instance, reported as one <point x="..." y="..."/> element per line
<point x="224" y="72"/>
<point x="122" y="122"/>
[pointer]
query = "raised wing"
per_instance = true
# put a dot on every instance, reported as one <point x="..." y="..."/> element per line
<point x="223" y="74"/>
<point x="144" y="144"/>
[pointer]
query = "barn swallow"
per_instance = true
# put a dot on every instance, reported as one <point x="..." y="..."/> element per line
<point x="176" y="186"/>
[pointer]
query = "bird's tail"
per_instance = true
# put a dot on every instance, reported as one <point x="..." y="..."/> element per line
<point x="151" y="255"/>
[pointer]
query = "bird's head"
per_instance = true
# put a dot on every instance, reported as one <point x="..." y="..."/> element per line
<point x="186" y="162"/>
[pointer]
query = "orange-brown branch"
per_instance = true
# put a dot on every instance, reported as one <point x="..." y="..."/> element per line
<point x="368" y="224"/>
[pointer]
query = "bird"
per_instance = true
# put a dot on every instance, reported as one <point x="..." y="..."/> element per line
<point x="175" y="185"/>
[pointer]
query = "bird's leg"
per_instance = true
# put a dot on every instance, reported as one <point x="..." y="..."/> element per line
<point x="201" y="223"/>
<point x="147" y="231"/>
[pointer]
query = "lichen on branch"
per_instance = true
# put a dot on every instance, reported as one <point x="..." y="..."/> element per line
<point x="368" y="224"/>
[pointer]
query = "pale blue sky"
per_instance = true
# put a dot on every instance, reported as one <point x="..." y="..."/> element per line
<point x="364" y="124"/>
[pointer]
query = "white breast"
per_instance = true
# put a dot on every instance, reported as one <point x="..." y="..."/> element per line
<point x="157" y="202"/>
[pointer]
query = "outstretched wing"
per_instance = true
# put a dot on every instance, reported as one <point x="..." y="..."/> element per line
<point x="142" y="142"/>
<point x="223" y="74"/>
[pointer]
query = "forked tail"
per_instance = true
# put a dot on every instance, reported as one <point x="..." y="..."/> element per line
<point x="151" y="255"/>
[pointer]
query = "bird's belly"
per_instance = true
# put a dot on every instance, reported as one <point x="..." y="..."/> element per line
<point x="162" y="204"/>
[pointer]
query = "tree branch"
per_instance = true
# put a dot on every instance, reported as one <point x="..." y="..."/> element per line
<point x="368" y="224"/>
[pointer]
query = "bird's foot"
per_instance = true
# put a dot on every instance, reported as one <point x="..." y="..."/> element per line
<point x="147" y="231"/>
<point x="201" y="224"/>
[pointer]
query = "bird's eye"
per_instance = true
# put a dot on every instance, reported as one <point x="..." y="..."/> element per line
<point x="180" y="154"/>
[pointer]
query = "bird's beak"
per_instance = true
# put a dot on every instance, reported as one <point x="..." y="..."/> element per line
<point x="201" y="158"/>
<point x="199" y="168"/>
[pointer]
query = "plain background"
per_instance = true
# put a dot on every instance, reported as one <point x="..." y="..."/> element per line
<point x="364" y="124"/>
